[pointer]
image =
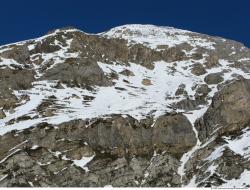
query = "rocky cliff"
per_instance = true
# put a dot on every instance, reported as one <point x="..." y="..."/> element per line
<point x="138" y="105"/>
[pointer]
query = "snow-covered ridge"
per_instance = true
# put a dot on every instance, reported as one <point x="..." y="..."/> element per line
<point x="154" y="36"/>
<point x="150" y="35"/>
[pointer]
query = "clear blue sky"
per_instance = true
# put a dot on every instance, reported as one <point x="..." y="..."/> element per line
<point x="25" y="19"/>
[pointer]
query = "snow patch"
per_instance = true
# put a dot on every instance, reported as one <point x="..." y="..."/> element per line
<point x="83" y="162"/>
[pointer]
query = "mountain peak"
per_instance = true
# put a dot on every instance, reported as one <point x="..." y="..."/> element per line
<point x="146" y="29"/>
<point x="154" y="36"/>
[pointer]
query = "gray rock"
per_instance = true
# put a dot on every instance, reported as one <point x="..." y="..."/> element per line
<point x="174" y="131"/>
<point x="213" y="78"/>
<point x="162" y="172"/>
<point x="229" y="111"/>
<point x="19" y="53"/>
<point x="212" y="61"/>
<point x="16" y="79"/>
<point x="188" y="104"/>
<point x="78" y="72"/>
<point x="7" y="99"/>
<point x="198" y="69"/>
<point x="181" y="90"/>
<point x="2" y="114"/>
<point x="203" y="89"/>
<point x="230" y="165"/>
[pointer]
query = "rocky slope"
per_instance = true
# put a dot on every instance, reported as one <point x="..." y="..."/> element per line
<point x="138" y="105"/>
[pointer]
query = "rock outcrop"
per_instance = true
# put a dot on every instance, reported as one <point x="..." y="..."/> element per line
<point x="120" y="144"/>
<point x="78" y="72"/>
<point x="228" y="112"/>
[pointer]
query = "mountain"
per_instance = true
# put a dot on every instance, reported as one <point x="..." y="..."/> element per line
<point x="138" y="105"/>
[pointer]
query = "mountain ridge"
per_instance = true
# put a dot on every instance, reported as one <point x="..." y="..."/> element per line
<point x="138" y="105"/>
<point x="117" y="27"/>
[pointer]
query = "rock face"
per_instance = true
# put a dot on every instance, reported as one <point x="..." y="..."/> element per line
<point x="228" y="112"/>
<point x="20" y="54"/>
<point x="135" y="106"/>
<point x="16" y="79"/>
<point x="140" y="137"/>
<point x="120" y="145"/>
<point x="79" y="72"/>
<point x="175" y="131"/>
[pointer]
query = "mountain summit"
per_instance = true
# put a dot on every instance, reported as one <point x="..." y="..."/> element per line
<point x="138" y="105"/>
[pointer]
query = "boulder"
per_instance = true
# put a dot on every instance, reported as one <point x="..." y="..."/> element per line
<point x="201" y="93"/>
<point x="213" y="78"/>
<point x="203" y="89"/>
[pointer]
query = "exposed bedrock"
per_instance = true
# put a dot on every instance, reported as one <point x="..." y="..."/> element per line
<point x="229" y="110"/>
<point x="125" y="151"/>
<point x="13" y="80"/>
<point x="19" y="53"/>
<point x="117" y="134"/>
<point x="77" y="72"/>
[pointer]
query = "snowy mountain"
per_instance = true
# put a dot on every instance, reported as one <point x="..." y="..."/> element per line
<point x="138" y="105"/>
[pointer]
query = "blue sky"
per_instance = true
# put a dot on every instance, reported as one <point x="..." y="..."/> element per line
<point x="25" y="19"/>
